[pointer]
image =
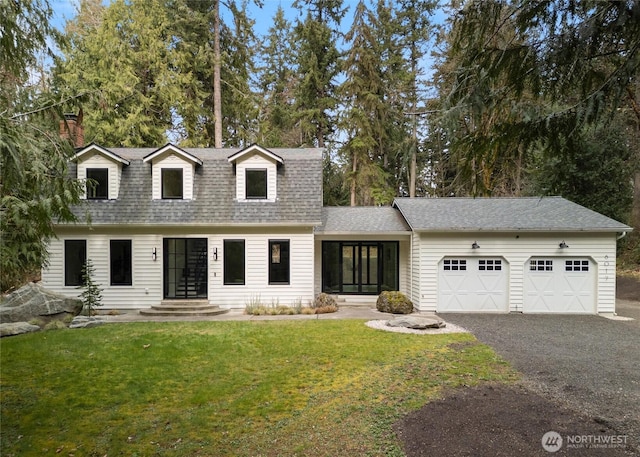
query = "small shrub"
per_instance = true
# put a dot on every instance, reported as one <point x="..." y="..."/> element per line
<point x="325" y="300"/>
<point x="38" y="321"/>
<point x="327" y="309"/>
<point x="55" y="325"/>
<point x="308" y="310"/>
<point x="394" y="302"/>
<point x="252" y="305"/>
<point x="297" y="306"/>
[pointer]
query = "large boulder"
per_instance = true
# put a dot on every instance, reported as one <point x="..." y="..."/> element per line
<point x="416" y="322"/>
<point x="35" y="302"/>
<point x="394" y="302"/>
<point x="17" y="328"/>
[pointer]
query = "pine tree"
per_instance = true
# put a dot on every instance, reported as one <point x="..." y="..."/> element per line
<point x="363" y="117"/>
<point x="91" y="294"/>
<point x="277" y="81"/>
<point x="35" y="188"/>
<point x="125" y="68"/>
<point x="318" y="67"/>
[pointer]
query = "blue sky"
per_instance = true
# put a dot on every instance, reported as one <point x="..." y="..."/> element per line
<point x="66" y="9"/>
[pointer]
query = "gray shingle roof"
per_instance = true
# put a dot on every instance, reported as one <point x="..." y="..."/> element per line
<point x="299" y="193"/>
<point x="503" y="214"/>
<point x="361" y="219"/>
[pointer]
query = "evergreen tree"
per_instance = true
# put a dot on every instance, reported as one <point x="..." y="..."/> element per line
<point x="318" y="67"/>
<point x="277" y="82"/>
<point x="239" y="103"/>
<point x="532" y="73"/>
<point x="125" y="67"/>
<point x="415" y="33"/>
<point x="35" y="188"/>
<point x="91" y="294"/>
<point x="363" y="118"/>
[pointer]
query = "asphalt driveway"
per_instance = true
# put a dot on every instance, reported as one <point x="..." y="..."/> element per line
<point x="588" y="363"/>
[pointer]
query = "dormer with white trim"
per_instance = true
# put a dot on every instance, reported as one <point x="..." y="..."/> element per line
<point x="172" y="173"/>
<point x="256" y="170"/>
<point x="104" y="168"/>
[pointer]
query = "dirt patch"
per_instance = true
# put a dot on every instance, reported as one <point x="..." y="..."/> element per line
<point x="628" y="287"/>
<point x="502" y="421"/>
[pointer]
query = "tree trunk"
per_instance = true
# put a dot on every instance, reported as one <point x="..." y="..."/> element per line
<point x="635" y="209"/>
<point x="414" y="160"/>
<point x="217" y="90"/>
<point x="354" y="168"/>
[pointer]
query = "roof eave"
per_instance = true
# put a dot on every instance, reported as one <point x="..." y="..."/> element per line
<point x="94" y="147"/>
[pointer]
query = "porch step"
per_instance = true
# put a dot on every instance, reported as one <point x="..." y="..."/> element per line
<point x="356" y="301"/>
<point x="183" y="308"/>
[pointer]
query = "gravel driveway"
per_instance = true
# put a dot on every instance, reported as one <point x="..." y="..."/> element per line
<point x="588" y="363"/>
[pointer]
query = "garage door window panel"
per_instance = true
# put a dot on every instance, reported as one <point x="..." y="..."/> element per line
<point x="455" y="265"/>
<point x="541" y="265"/>
<point x="576" y="265"/>
<point x="490" y="265"/>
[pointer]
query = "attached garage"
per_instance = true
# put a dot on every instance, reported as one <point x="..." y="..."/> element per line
<point x="560" y="285"/>
<point x="520" y="255"/>
<point x="471" y="284"/>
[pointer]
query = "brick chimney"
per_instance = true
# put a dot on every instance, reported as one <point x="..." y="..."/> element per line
<point x="71" y="129"/>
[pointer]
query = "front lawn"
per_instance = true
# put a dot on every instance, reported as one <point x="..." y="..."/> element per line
<point x="285" y="388"/>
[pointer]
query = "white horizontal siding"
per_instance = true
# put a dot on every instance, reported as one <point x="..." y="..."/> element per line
<point x="257" y="284"/>
<point x="256" y="161"/>
<point x="95" y="160"/>
<point x="517" y="249"/>
<point x="172" y="161"/>
<point x="146" y="288"/>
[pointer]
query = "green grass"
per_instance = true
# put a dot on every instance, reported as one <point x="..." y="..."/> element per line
<point x="322" y="388"/>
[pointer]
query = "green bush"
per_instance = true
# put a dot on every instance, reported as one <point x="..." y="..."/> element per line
<point x="394" y="302"/>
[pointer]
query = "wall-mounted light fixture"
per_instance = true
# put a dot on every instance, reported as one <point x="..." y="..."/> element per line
<point x="153" y="254"/>
<point x="215" y="254"/>
<point x="563" y="245"/>
<point x="475" y="245"/>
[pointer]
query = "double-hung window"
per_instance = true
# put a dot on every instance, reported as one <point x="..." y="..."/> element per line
<point x="120" y="261"/>
<point x="279" y="264"/>
<point x="97" y="183"/>
<point x="172" y="187"/>
<point x="256" y="183"/>
<point x="75" y="257"/>
<point x="234" y="262"/>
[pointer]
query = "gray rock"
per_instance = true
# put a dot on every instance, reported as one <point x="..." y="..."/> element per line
<point x="17" y="328"/>
<point x="416" y="322"/>
<point x="34" y="301"/>
<point x="86" y="321"/>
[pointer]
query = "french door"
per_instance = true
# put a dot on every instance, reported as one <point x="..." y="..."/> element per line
<point x="350" y="267"/>
<point x="185" y="268"/>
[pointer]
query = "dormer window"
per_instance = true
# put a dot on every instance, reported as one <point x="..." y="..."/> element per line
<point x="173" y="172"/>
<point x="256" y="183"/>
<point x="97" y="183"/>
<point x="101" y="171"/>
<point x="172" y="187"/>
<point x="256" y="170"/>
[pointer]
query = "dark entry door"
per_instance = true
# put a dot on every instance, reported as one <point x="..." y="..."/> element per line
<point x="185" y="268"/>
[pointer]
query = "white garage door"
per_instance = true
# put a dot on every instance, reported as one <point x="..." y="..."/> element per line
<point x="473" y="285"/>
<point x="560" y="285"/>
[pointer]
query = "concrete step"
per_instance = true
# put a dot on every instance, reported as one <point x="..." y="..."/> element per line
<point x="183" y="308"/>
<point x="356" y="301"/>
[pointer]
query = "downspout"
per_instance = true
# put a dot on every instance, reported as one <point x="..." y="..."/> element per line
<point x="622" y="235"/>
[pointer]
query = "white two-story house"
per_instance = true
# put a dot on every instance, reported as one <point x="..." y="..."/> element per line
<point x="230" y="226"/>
